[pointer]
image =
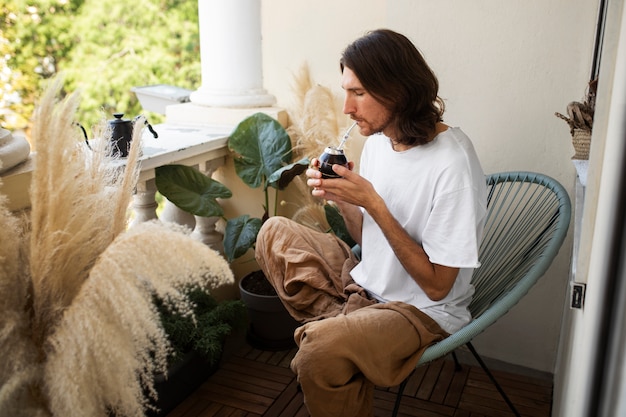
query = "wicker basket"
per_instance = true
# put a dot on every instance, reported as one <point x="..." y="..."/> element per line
<point x="581" y="139"/>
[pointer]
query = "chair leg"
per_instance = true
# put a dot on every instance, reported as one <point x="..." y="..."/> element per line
<point x="396" y="406"/>
<point x="457" y="364"/>
<point x="493" y="379"/>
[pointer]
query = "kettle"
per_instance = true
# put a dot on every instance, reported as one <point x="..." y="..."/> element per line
<point x="121" y="134"/>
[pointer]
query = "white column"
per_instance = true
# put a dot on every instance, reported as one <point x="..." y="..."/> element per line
<point x="230" y="55"/>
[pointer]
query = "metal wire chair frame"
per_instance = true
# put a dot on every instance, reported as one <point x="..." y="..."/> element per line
<point x="527" y="221"/>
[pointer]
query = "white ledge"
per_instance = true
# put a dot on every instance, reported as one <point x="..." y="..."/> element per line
<point x="179" y="144"/>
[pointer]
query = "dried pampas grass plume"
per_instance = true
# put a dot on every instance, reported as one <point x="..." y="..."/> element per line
<point x="19" y="370"/>
<point x="79" y="333"/>
<point x="78" y="196"/>
<point x="148" y="260"/>
<point x="313" y="216"/>
<point x="315" y="116"/>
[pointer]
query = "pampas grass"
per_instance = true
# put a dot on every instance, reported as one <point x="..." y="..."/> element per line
<point x="315" y="116"/>
<point x="313" y="216"/>
<point x="79" y="333"/>
<point x="19" y="371"/>
<point x="316" y="124"/>
<point x="124" y="281"/>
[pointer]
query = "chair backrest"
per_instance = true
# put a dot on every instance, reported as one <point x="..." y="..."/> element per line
<point x="527" y="219"/>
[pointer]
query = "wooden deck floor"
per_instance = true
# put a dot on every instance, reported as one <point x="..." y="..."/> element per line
<point x="255" y="383"/>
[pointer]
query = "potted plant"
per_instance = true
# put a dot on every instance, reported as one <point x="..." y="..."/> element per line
<point x="580" y="120"/>
<point x="197" y="345"/>
<point x="81" y="333"/>
<point x="262" y="155"/>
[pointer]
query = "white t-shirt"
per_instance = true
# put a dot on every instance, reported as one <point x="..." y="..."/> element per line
<point x="437" y="192"/>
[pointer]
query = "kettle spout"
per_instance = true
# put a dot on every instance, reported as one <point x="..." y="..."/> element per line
<point x="150" y="128"/>
<point x="84" y="134"/>
<point x="154" y="133"/>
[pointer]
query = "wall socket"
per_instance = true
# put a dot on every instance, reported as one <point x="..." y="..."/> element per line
<point x="578" y="295"/>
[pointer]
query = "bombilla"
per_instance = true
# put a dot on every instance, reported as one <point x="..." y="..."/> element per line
<point x="345" y="137"/>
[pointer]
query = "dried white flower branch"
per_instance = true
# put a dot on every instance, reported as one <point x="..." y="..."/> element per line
<point x="79" y="333"/>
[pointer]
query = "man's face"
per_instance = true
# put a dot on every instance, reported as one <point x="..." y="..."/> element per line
<point x="371" y="116"/>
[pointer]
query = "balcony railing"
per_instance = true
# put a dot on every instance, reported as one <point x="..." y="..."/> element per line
<point x="200" y="146"/>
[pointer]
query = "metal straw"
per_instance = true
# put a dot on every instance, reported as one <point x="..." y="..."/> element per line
<point x="345" y="137"/>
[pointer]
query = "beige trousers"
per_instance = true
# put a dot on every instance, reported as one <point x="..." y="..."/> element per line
<point x="348" y="343"/>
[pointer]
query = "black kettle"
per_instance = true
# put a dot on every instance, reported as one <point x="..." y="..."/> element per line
<point x="122" y="133"/>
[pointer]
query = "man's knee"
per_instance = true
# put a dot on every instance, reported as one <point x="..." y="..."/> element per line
<point x="321" y="351"/>
<point x="272" y="225"/>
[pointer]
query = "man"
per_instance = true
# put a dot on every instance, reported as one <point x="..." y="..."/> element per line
<point x="417" y="210"/>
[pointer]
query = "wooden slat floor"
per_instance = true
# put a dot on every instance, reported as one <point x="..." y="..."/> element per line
<point x="255" y="383"/>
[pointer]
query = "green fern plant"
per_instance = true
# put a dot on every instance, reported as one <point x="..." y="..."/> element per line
<point x="205" y="331"/>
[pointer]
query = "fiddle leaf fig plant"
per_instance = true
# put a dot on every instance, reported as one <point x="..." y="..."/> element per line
<point x="262" y="154"/>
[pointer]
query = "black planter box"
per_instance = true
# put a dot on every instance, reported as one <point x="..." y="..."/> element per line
<point x="184" y="377"/>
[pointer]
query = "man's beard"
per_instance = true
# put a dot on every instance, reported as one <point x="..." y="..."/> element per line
<point x="376" y="130"/>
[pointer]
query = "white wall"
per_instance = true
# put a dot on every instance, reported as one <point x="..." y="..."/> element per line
<point x="504" y="68"/>
<point x="582" y="342"/>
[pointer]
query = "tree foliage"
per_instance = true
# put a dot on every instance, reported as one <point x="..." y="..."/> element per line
<point x="103" y="48"/>
<point x="35" y="37"/>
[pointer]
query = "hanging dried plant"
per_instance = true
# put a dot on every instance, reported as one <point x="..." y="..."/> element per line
<point x="79" y="333"/>
<point x="580" y="113"/>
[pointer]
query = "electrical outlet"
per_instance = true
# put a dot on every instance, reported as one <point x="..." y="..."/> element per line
<point x="578" y="295"/>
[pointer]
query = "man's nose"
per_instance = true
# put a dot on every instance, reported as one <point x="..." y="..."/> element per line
<point x="348" y="106"/>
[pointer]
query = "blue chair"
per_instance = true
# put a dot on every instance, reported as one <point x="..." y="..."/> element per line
<point x="527" y="220"/>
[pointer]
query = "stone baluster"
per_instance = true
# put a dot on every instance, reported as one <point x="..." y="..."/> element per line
<point x="206" y="233"/>
<point x="171" y="213"/>
<point x="205" y="230"/>
<point x="144" y="204"/>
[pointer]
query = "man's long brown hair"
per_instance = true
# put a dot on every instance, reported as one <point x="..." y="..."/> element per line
<point x="396" y="74"/>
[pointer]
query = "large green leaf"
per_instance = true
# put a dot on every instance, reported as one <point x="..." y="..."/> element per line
<point x="283" y="177"/>
<point x="261" y="146"/>
<point x="337" y="224"/>
<point x="190" y="190"/>
<point x="240" y="235"/>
